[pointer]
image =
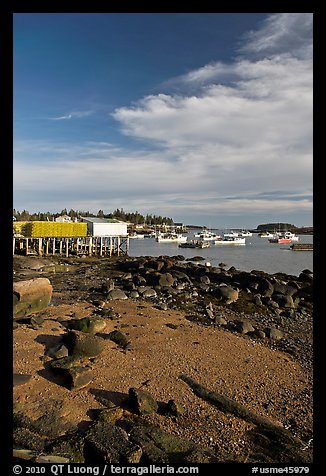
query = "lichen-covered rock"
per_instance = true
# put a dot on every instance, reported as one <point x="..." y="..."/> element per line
<point x="88" y="324"/>
<point x="143" y="402"/>
<point x="174" y="408"/>
<point x="32" y="295"/>
<point x="119" y="338"/>
<point x="25" y="438"/>
<point x="80" y="344"/>
<point x="161" y="448"/>
<point x="70" y="446"/>
<point x="109" y="444"/>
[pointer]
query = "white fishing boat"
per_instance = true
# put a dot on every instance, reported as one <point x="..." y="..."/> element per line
<point x="292" y="236"/>
<point x="266" y="234"/>
<point x="231" y="240"/>
<point x="207" y="236"/>
<point x="286" y="237"/>
<point x="171" y="238"/>
<point x="231" y="234"/>
<point x="137" y="236"/>
<point x="245" y="233"/>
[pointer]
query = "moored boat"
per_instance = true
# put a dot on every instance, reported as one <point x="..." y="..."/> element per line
<point x="286" y="237"/>
<point x="231" y="240"/>
<point x="171" y="238"/>
<point x="245" y="233"/>
<point x="137" y="236"/>
<point x="207" y="236"/>
<point x="266" y="234"/>
<point x="195" y="244"/>
<point x="231" y="234"/>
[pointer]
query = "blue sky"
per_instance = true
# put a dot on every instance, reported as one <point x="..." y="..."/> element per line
<point x="202" y="117"/>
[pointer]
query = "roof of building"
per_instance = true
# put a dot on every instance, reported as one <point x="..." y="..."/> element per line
<point x="103" y="220"/>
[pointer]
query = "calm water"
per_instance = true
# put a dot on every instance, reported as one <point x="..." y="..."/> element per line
<point x="257" y="254"/>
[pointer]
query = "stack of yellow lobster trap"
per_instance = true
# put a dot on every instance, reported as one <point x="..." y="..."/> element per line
<point x="43" y="229"/>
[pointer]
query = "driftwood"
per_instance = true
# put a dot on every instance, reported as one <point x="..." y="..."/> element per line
<point x="227" y="405"/>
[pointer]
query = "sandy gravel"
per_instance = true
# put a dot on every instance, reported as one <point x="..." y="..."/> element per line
<point x="267" y="381"/>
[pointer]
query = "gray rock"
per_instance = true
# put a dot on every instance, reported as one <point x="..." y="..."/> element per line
<point x="166" y="279"/>
<point x="243" y="326"/>
<point x="265" y="287"/>
<point x="306" y="276"/>
<point x="149" y="293"/>
<point x="117" y="294"/>
<point x="210" y="313"/>
<point x="134" y="294"/>
<point x="220" y="321"/>
<point x="284" y="289"/>
<point x="78" y="377"/>
<point x="180" y="286"/>
<point x="226" y="294"/>
<point x="274" y="333"/>
<point x="204" y="279"/>
<point x="260" y="334"/>
<point x="58" y="351"/>
<point x="283" y="300"/>
<point x="139" y="280"/>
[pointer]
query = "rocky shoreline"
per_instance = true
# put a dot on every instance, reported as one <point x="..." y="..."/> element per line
<point x="101" y="306"/>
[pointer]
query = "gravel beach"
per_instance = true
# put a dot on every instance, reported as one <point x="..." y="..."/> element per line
<point x="144" y="324"/>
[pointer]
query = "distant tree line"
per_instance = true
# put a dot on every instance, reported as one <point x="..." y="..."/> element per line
<point x="273" y="227"/>
<point x="132" y="217"/>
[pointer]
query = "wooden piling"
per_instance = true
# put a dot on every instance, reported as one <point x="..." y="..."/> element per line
<point x="40" y="251"/>
<point x="90" y="245"/>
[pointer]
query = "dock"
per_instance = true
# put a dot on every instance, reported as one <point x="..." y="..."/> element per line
<point x="302" y="247"/>
<point x="71" y="246"/>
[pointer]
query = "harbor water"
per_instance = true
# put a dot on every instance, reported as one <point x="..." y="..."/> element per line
<point x="257" y="254"/>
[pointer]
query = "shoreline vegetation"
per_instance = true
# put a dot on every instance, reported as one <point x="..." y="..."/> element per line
<point x="146" y="223"/>
<point x="161" y="360"/>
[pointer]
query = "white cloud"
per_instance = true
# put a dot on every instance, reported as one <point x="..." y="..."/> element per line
<point x="283" y="32"/>
<point x="72" y="115"/>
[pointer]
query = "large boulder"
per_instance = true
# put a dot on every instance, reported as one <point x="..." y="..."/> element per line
<point x="160" y="447"/>
<point x="81" y="344"/>
<point x="227" y="294"/>
<point x="109" y="444"/>
<point x="32" y="295"/>
<point x="283" y="300"/>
